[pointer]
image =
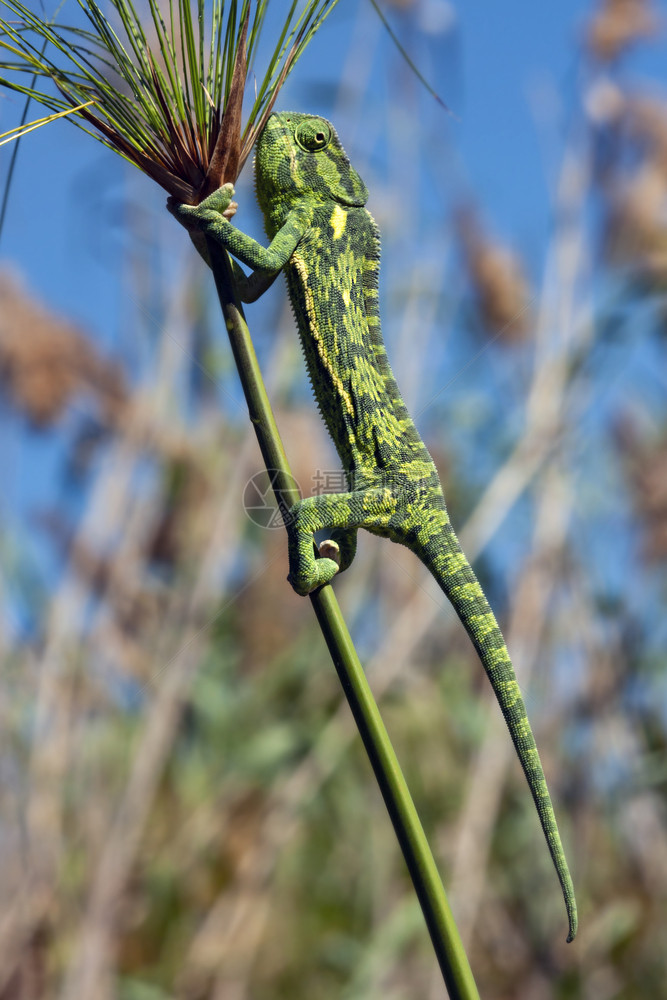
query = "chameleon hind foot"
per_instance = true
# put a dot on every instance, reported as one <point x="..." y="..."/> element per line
<point x="341" y="514"/>
<point x="306" y="571"/>
<point x="304" y="581"/>
<point x="345" y="539"/>
<point x="329" y="549"/>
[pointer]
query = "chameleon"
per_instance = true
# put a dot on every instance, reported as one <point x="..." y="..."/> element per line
<point x="328" y="245"/>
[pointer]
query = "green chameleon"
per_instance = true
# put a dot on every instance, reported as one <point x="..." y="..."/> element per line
<point x="327" y="243"/>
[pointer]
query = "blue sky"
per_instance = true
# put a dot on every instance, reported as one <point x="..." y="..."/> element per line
<point x="509" y="71"/>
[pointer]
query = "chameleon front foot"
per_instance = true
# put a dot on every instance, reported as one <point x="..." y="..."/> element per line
<point x="196" y="217"/>
<point x="220" y="201"/>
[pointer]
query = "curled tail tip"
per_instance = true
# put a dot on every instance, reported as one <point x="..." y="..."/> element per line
<point x="574" y="924"/>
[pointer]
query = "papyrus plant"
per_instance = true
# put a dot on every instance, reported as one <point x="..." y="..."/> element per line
<point x="166" y="80"/>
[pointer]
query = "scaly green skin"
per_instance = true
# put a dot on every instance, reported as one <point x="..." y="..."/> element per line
<point x="326" y="241"/>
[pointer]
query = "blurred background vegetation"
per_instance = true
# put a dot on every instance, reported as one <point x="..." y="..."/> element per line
<point x="185" y="808"/>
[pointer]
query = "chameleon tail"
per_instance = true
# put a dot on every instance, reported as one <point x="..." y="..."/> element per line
<point x="448" y="564"/>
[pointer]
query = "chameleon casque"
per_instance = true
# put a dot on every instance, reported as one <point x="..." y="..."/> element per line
<point x="328" y="244"/>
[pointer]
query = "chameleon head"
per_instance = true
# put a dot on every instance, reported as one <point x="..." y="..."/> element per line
<point x="300" y="155"/>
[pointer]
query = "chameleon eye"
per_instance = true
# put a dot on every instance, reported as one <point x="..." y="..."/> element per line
<point x="313" y="135"/>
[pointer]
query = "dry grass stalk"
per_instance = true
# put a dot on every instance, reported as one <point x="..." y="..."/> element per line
<point x="617" y="25"/>
<point x="497" y="279"/>
<point x="646" y="466"/>
<point x="635" y="234"/>
<point x="45" y="362"/>
<point x="546" y="418"/>
<point x="636" y="231"/>
<point x="646" y="124"/>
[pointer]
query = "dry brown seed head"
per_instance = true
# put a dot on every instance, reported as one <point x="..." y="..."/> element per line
<point x="617" y="24"/>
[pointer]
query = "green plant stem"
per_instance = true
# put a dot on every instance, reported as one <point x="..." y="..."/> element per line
<point x="447" y="943"/>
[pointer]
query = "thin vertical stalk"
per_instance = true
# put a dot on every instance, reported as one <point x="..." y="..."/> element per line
<point x="421" y="865"/>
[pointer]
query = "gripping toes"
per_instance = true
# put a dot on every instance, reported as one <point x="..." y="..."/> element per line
<point x="304" y="579"/>
<point x="219" y="200"/>
<point x="197" y="216"/>
<point x="342" y="513"/>
<point x="329" y="549"/>
<point x="306" y="571"/>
